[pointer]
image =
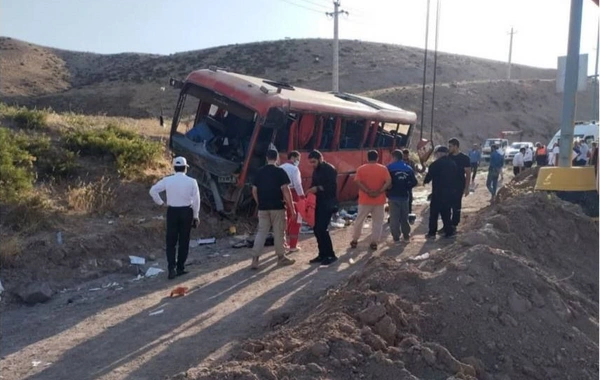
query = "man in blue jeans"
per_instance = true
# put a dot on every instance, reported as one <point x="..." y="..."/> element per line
<point x="403" y="180"/>
<point x="496" y="165"/>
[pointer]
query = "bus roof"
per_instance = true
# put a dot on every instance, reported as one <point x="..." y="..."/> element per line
<point x="246" y="90"/>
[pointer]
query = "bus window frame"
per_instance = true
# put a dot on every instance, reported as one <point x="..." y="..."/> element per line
<point x="342" y="123"/>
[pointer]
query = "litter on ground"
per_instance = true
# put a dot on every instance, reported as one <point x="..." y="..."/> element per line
<point x="157" y="312"/>
<point x="136" y="260"/>
<point x="153" y="271"/>
<point x="206" y="241"/>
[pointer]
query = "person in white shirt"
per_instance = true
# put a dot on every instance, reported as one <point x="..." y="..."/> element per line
<point x="582" y="157"/>
<point x="555" y="152"/>
<point x="183" y="209"/>
<point x="293" y="224"/>
<point x="519" y="162"/>
<point x="528" y="157"/>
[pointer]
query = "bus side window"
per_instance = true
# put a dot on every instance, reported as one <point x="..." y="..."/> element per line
<point x="352" y="134"/>
<point x="282" y="136"/>
<point x="384" y="139"/>
<point x="306" y="132"/>
<point x="328" y="133"/>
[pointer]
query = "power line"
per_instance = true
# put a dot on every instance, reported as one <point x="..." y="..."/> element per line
<point x="315" y="3"/>
<point x="303" y="6"/>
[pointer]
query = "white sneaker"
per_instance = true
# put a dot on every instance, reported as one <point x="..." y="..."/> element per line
<point x="292" y="250"/>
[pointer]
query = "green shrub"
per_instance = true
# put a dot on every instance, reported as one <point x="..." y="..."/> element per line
<point x="30" y="119"/>
<point x="51" y="162"/>
<point x="130" y="151"/>
<point x="16" y="168"/>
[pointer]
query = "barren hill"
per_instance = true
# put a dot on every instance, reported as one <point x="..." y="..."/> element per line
<point x="473" y="99"/>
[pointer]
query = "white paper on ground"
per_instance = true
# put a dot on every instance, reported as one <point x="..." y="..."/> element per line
<point x="137" y="260"/>
<point x="157" y="312"/>
<point x="152" y="271"/>
<point x="424" y="256"/>
<point x="211" y="240"/>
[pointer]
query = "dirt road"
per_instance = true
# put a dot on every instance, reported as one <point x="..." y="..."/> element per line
<point x="132" y="330"/>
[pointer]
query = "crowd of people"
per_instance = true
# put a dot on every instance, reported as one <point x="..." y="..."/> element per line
<point x="278" y="189"/>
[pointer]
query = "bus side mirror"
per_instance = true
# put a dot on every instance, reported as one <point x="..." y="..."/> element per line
<point x="276" y="118"/>
<point x="176" y="83"/>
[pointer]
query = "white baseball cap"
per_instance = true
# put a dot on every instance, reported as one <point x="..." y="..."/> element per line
<point x="180" y="161"/>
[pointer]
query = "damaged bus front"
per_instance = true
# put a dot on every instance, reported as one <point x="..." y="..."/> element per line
<point x="218" y="133"/>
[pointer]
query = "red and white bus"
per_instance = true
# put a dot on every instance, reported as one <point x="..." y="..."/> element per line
<point x="224" y="123"/>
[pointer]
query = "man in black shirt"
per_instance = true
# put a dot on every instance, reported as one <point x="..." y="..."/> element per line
<point x="442" y="173"/>
<point x="324" y="186"/>
<point x="271" y="192"/>
<point x="463" y="179"/>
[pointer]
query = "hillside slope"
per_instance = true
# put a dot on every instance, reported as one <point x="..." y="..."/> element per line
<point x="129" y="84"/>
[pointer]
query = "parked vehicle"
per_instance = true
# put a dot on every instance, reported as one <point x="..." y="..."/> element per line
<point x="224" y="123"/>
<point x="588" y="131"/>
<point x="514" y="148"/>
<point x="486" y="149"/>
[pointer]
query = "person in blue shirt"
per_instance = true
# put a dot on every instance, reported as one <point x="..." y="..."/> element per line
<point x="403" y="180"/>
<point x="496" y="165"/>
<point x="475" y="158"/>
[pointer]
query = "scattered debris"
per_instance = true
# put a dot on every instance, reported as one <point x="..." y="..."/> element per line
<point x="206" y="241"/>
<point x="59" y="238"/>
<point x="423" y="256"/>
<point x="94" y="289"/>
<point x="179" y="291"/>
<point x="136" y="260"/>
<point x="153" y="271"/>
<point x="159" y="217"/>
<point x="157" y="312"/>
<point x="36" y="363"/>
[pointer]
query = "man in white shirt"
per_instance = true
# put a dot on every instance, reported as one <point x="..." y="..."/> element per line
<point x="183" y="209"/>
<point x="519" y="162"/>
<point x="528" y="157"/>
<point x="293" y="224"/>
<point x="582" y="157"/>
<point x="555" y="153"/>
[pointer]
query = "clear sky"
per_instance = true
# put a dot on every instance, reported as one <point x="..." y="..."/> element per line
<point x="471" y="27"/>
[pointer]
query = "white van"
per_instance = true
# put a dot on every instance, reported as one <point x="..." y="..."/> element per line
<point x="588" y="131"/>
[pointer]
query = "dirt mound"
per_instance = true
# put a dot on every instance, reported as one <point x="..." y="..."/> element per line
<point x="516" y="297"/>
<point x="523" y="183"/>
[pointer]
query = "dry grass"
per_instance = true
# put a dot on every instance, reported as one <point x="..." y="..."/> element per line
<point x="96" y="197"/>
<point x="11" y="247"/>
<point x="30" y="214"/>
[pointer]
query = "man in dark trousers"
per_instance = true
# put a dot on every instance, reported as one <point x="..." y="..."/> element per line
<point x="463" y="179"/>
<point x="399" y="196"/>
<point x="442" y="173"/>
<point x="183" y="208"/>
<point x="271" y="192"/>
<point x="324" y="186"/>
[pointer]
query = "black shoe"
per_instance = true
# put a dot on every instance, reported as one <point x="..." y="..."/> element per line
<point x="440" y="232"/>
<point x="329" y="260"/>
<point x="450" y="235"/>
<point x="181" y="272"/>
<point x="172" y="274"/>
<point x="316" y="260"/>
<point x="430" y="236"/>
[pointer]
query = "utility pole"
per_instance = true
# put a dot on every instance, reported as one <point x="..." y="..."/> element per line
<point x="425" y="68"/>
<point x="512" y="32"/>
<point x="570" y="93"/>
<point x="336" y="44"/>
<point x="595" y="81"/>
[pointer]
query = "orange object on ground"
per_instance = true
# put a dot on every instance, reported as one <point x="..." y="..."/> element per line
<point x="179" y="291"/>
<point x="306" y="207"/>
